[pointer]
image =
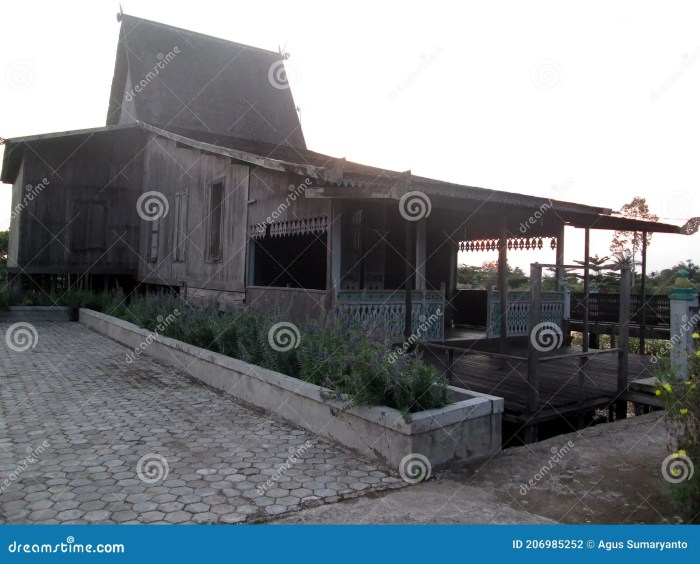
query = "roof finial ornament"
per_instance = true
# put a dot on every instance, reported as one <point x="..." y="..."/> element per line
<point x="283" y="52"/>
<point x="121" y="13"/>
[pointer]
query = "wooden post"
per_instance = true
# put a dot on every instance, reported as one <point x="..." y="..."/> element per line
<point x="559" y="271"/>
<point x="503" y="284"/>
<point x="643" y="320"/>
<point x="533" y="351"/>
<point x="408" y="284"/>
<point x="449" y="360"/>
<point x="421" y="225"/>
<point x="586" y="289"/>
<point x="622" y="356"/>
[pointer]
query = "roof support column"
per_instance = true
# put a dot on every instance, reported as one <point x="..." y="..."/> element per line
<point x="586" y="289"/>
<point x="503" y="283"/>
<point x="408" y="283"/>
<point x="559" y="272"/>
<point x="643" y="320"/>
<point x="420" y="253"/>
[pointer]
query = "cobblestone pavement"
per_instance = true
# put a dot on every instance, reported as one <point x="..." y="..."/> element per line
<point x="86" y="437"/>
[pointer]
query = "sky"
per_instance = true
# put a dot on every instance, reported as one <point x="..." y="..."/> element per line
<point x="595" y="101"/>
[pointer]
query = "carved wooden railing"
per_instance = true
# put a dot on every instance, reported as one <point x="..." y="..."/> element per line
<point x="554" y="310"/>
<point x="388" y="307"/>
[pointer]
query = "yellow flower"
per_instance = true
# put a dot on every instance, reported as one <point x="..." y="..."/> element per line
<point x="681" y="452"/>
<point x="667" y="387"/>
<point x="697" y="352"/>
<point x="674" y="455"/>
<point x="675" y="471"/>
<point x="684" y="411"/>
<point x="696" y="335"/>
<point x="658" y="392"/>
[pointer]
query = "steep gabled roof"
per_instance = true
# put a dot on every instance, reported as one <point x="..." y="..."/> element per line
<point x="171" y="77"/>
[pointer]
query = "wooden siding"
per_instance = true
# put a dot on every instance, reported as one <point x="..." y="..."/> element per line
<point x="171" y="169"/>
<point x="82" y="219"/>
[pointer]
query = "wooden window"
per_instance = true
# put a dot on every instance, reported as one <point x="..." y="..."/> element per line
<point x="215" y="221"/>
<point x="155" y="232"/>
<point x="180" y="236"/>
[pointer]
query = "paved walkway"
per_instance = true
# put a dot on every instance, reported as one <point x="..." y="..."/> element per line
<point x="87" y="437"/>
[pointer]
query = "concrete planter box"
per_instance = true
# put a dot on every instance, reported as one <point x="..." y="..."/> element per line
<point x="37" y="313"/>
<point x="469" y="427"/>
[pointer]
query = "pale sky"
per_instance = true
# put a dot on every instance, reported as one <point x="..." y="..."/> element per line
<point x="599" y="98"/>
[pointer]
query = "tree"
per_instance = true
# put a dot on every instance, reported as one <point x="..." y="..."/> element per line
<point x="627" y="244"/>
<point x="486" y="275"/>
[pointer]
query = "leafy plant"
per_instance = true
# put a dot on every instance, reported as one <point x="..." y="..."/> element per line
<point x="680" y="395"/>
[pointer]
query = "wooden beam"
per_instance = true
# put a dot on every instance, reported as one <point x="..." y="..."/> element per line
<point x="622" y="357"/>
<point x="420" y="253"/>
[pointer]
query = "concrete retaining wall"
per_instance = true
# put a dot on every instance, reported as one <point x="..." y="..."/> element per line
<point x="468" y="428"/>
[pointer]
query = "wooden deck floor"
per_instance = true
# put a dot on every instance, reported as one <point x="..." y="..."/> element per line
<point x="476" y="370"/>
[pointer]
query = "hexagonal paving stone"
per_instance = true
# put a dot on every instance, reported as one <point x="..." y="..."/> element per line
<point x="178" y="517"/>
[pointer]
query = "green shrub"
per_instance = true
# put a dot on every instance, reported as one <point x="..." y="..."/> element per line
<point x="681" y="399"/>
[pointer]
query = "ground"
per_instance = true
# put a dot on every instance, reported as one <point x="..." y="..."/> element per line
<point x="86" y="436"/>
